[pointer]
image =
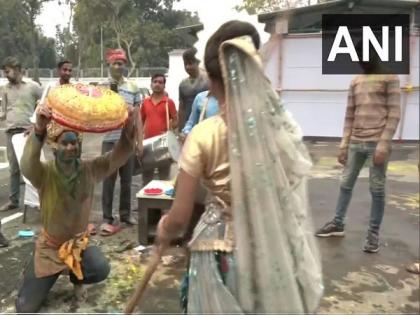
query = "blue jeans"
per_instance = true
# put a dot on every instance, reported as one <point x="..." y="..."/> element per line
<point x="358" y="155"/>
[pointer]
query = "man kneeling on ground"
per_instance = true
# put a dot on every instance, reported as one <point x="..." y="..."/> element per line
<point x="65" y="186"/>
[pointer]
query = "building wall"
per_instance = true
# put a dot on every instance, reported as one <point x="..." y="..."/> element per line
<point x="318" y="101"/>
<point x="176" y="74"/>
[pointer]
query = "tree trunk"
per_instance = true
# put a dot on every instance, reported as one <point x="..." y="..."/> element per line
<point x="79" y="61"/>
<point x="117" y="32"/>
<point x="34" y="50"/>
<point x="118" y="40"/>
<point x="130" y="58"/>
<point x="35" y="57"/>
<point x="72" y="4"/>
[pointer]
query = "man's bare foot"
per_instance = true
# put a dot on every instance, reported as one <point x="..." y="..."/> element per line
<point x="80" y="292"/>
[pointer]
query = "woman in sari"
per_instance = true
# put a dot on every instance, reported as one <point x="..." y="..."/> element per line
<point x="252" y="250"/>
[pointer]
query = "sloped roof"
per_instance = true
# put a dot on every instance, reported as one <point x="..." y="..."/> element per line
<point x="308" y="18"/>
<point x="189" y="34"/>
<point x="191" y="29"/>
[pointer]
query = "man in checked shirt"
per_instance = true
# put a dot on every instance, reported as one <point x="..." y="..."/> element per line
<point x="372" y="117"/>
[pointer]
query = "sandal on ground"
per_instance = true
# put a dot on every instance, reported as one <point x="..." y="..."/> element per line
<point x="413" y="268"/>
<point x="109" y="229"/>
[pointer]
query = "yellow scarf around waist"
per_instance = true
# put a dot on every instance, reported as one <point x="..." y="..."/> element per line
<point x="70" y="252"/>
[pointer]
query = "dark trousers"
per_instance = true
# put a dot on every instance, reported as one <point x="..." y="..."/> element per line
<point x="126" y="173"/>
<point x="34" y="291"/>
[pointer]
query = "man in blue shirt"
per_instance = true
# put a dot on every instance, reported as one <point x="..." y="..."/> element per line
<point x="203" y="101"/>
<point x="117" y="61"/>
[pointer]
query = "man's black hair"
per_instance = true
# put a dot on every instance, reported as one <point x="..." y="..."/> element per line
<point x="12" y="62"/>
<point x="62" y="63"/>
<point x="159" y="75"/>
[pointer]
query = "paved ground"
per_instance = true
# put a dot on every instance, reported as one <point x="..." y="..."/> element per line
<point x="355" y="282"/>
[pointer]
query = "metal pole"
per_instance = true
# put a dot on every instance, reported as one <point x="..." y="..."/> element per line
<point x="102" y="54"/>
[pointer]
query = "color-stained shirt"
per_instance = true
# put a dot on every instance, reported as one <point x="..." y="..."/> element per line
<point x="203" y="99"/>
<point x="373" y="110"/>
<point x="188" y="89"/>
<point x="66" y="202"/>
<point x="19" y="102"/>
<point x="132" y="96"/>
<point x="154" y="116"/>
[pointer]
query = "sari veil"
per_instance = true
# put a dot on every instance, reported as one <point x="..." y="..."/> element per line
<point x="278" y="264"/>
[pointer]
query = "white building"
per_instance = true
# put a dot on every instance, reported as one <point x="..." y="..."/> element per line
<point x="292" y="58"/>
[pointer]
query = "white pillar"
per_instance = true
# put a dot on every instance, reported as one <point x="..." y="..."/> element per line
<point x="176" y="74"/>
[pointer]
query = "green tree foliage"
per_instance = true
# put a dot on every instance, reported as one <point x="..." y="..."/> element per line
<point x="20" y="37"/>
<point x="14" y="31"/>
<point x="144" y="28"/>
<point x="66" y="44"/>
<point x="32" y="8"/>
<point x="261" y="6"/>
<point x="47" y="54"/>
<point x="66" y="41"/>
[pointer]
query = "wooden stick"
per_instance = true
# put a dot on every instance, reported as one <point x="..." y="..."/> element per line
<point x="138" y="294"/>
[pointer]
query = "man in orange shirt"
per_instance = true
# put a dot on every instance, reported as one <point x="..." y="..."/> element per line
<point x="158" y="114"/>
